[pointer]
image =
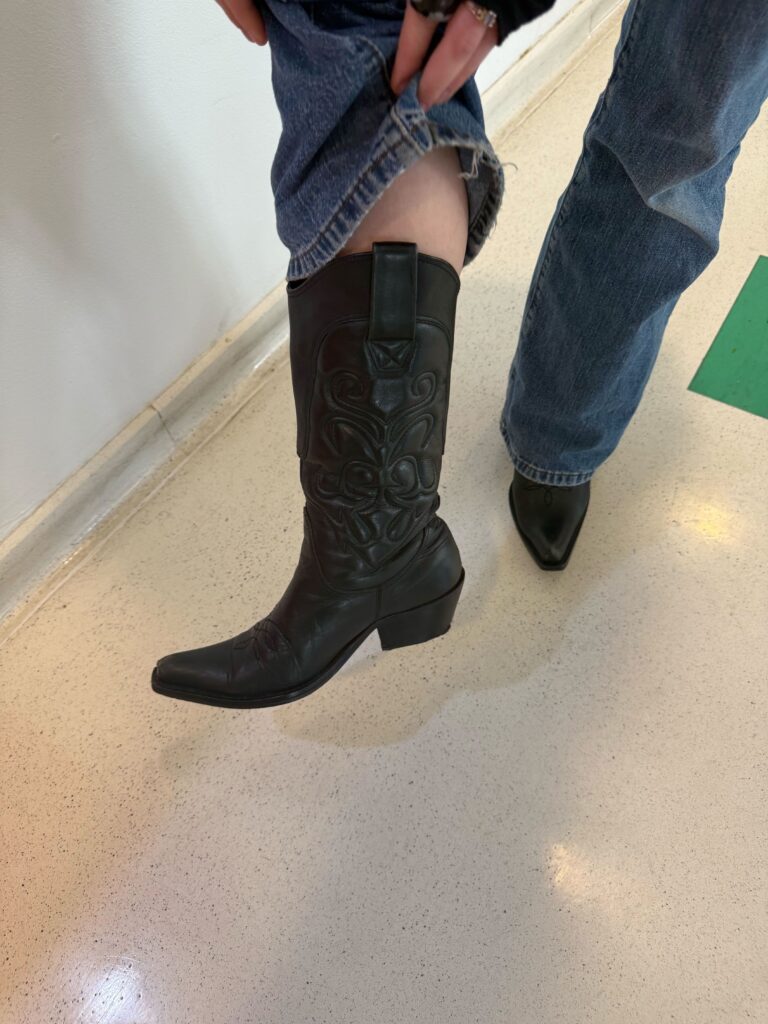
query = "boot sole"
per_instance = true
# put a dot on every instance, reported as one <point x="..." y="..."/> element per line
<point x="404" y="629"/>
<point x="547" y="566"/>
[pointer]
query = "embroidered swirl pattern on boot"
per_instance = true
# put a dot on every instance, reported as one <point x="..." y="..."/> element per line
<point x="380" y="483"/>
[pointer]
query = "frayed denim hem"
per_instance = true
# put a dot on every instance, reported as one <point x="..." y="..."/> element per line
<point x="552" y="477"/>
<point x="409" y="134"/>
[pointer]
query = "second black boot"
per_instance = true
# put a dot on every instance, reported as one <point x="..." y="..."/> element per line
<point x="371" y="346"/>
<point x="548" y="519"/>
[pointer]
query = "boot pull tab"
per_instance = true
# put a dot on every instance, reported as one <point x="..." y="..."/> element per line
<point x="391" y="341"/>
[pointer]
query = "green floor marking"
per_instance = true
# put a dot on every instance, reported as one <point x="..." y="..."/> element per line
<point x="735" y="370"/>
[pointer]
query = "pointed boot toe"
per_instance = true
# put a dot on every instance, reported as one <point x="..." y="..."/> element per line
<point x="548" y="519"/>
<point x="194" y="675"/>
<point x="255" y="669"/>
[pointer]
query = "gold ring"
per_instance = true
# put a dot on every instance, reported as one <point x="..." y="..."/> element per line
<point x="482" y="14"/>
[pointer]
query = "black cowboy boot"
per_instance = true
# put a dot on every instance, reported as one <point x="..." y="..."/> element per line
<point x="548" y="519"/>
<point x="371" y="344"/>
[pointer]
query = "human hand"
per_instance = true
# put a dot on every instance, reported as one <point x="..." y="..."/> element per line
<point x="246" y="15"/>
<point x="458" y="55"/>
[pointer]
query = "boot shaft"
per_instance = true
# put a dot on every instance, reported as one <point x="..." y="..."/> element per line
<point x="371" y="347"/>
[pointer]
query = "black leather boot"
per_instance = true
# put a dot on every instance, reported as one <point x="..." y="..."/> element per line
<point x="371" y="345"/>
<point x="548" y="519"/>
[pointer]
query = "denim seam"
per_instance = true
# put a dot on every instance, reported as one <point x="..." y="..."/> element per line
<point x="551" y="472"/>
<point x="565" y="209"/>
<point x="550" y="476"/>
<point x="407" y="131"/>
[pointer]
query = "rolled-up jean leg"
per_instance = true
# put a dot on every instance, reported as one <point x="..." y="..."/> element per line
<point x="636" y="226"/>
<point x="346" y="137"/>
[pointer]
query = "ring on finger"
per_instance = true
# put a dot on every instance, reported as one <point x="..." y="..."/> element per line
<point x="482" y="14"/>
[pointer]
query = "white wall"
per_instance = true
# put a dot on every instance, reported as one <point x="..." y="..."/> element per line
<point x="136" y="220"/>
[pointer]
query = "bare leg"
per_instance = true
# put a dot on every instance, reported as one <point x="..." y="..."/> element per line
<point x="427" y="205"/>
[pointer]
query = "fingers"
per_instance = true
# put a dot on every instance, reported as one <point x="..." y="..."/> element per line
<point x="245" y="14"/>
<point x="415" y="37"/>
<point x="466" y="43"/>
<point x="469" y="68"/>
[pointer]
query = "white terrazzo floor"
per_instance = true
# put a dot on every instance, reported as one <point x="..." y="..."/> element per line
<point x="555" y="813"/>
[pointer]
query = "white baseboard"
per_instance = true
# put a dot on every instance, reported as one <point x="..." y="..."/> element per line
<point x="47" y="546"/>
<point x="43" y="551"/>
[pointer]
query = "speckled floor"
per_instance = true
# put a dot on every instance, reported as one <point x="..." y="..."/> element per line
<point x="555" y="813"/>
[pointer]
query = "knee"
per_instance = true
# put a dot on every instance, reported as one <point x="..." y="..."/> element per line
<point x="680" y="179"/>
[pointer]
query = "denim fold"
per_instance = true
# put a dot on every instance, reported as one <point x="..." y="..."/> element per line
<point x="346" y="136"/>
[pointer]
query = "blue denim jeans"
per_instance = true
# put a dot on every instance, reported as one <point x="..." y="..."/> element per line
<point x="636" y="226"/>
<point x="346" y="137"/>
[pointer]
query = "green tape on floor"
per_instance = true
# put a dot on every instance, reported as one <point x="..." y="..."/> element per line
<point x="735" y="370"/>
